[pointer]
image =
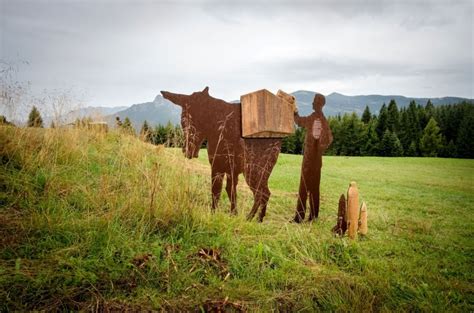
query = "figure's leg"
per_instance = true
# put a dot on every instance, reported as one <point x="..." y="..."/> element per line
<point x="216" y="188"/>
<point x="314" y="197"/>
<point x="231" y="189"/>
<point x="301" y="203"/>
<point x="313" y="204"/>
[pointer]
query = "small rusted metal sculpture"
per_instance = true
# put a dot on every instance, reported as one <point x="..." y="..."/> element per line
<point x="318" y="139"/>
<point x="204" y="117"/>
<point x="341" y="225"/>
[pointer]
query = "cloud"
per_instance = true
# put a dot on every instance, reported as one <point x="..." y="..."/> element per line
<point x="339" y="69"/>
<point x="123" y="52"/>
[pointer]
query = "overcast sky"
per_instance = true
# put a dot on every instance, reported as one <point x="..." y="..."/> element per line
<point x="124" y="52"/>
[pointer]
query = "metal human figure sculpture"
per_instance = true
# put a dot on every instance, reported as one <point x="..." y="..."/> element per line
<point x="318" y="139"/>
<point x="204" y="117"/>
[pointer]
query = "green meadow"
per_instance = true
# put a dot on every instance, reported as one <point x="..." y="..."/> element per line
<point x="94" y="221"/>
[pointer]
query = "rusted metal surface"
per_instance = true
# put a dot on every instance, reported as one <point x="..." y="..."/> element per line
<point x="204" y="117"/>
<point x="341" y="225"/>
<point x="318" y="138"/>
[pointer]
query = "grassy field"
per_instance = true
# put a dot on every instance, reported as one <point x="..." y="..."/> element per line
<point x="90" y="221"/>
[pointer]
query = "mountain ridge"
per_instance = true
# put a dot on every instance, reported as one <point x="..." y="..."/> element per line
<point x="162" y="111"/>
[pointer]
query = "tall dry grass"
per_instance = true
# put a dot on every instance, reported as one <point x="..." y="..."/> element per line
<point x="103" y="221"/>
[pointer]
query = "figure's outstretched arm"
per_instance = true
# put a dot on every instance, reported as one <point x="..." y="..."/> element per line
<point x="301" y="121"/>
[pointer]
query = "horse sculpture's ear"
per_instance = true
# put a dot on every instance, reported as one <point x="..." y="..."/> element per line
<point x="206" y="90"/>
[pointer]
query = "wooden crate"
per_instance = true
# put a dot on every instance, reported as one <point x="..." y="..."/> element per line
<point x="265" y="115"/>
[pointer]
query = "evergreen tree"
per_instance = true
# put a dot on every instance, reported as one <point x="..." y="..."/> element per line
<point x="431" y="140"/>
<point x="335" y="125"/>
<point x="403" y="131"/>
<point x="145" y="132"/>
<point x="288" y="144"/>
<point x="300" y="134"/>
<point x="393" y="117"/>
<point x="170" y="135"/>
<point x="429" y="109"/>
<point x="382" y="124"/>
<point x="397" y="146"/>
<point x="371" y="143"/>
<point x="413" y="126"/>
<point x="412" y="149"/>
<point x="159" y="135"/>
<point x="449" y="150"/>
<point x="465" y="141"/>
<point x="179" y="137"/>
<point x="127" y="126"/>
<point x="34" y="119"/>
<point x="390" y="145"/>
<point x="355" y="131"/>
<point x="422" y="116"/>
<point x="366" y="116"/>
<point x="4" y="121"/>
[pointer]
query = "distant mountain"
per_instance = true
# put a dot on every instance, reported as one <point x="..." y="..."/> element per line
<point x="159" y="111"/>
<point x="337" y="103"/>
<point x="162" y="111"/>
<point x="97" y="113"/>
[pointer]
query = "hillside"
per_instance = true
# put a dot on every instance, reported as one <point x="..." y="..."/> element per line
<point x="159" y="111"/>
<point x="96" y="113"/>
<point x="93" y="221"/>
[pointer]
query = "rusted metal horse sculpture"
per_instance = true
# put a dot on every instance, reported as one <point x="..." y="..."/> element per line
<point x="204" y="117"/>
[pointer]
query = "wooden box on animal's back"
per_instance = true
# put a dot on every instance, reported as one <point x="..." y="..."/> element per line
<point x="265" y="115"/>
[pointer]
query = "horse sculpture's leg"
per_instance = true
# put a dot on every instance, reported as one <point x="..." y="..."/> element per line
<point x="261" y="196"/>
<point x="256" y="205"/>
<point x="231" y="188"/>
<point x="260" y="158"/>
<point x="263" y="202"/>
<point x="216" y="188"/>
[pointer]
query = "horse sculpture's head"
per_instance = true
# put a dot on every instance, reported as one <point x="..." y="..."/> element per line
<point x="191" y="119"/>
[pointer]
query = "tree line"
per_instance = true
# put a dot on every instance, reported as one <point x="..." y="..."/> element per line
<point x="415" y="130"/>
<point x="169" y="135"/>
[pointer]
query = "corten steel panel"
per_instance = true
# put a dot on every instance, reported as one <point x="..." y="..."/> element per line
<point x="204" y="117"/>
<point x="317" y="140"/>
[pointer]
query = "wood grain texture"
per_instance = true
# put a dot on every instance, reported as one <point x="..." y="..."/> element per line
<point x="265" y="115"/>
<point x="352" y="210"/>
<point x="288" y="98"/>
<point x="363" y="227"/>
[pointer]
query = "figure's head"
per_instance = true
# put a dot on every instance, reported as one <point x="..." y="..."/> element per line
<point x="191" y="126"/>
<point x="318" y="102"/>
